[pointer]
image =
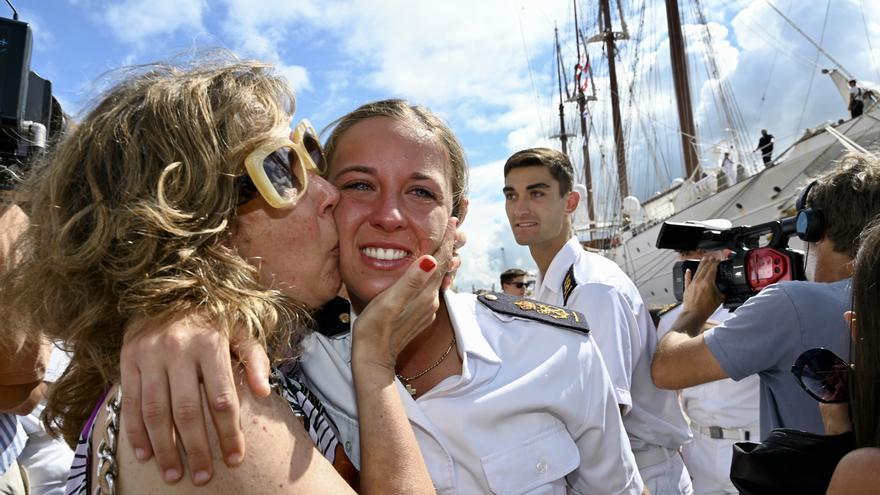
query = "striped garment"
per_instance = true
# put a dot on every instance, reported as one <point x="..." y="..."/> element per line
<point x="302" y="402"/>
<point x="12" y="440"/>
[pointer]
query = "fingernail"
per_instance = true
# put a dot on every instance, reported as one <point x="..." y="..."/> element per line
<point x="172" y="475"/>
<point x="234" y="459"/>
<point x="141" y="454"/>
<point x="427" y="265"/>
<point x="201" y="477"/>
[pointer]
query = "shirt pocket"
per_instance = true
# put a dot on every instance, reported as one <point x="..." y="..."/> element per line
<point x="537" y="465"/>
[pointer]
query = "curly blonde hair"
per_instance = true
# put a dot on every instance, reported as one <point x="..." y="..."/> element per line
<point x="132" y="216"/>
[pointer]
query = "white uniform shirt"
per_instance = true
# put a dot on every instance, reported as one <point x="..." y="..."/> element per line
<point x="723" y="403"/>
<point x="622" y="328"/>
<point x="533" y="410"/>
<point x="856" y="92"/>
<point x="729" y="169"/>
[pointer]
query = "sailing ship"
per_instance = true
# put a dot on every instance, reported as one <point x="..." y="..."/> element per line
<point x="627" y="229"/>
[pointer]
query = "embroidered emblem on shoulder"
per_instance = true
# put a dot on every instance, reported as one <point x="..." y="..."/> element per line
<point x="534" y="310"/>
<point x="568" y="284"/>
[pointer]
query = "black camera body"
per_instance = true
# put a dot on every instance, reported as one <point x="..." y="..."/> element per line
<point x="750" y="267"/>
<point x="29" y="115"/>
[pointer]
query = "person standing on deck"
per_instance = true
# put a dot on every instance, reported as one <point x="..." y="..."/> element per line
<point x="765" y="145"/>
<point x="729" y="169"/>
<point x="856" y="99"/>
<point x="539" y="201"/>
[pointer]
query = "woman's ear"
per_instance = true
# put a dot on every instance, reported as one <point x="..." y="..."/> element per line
<point x="850" y="318"/>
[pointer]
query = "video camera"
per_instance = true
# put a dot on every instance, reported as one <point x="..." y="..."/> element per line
<point x="749" y="269"/>
<point x="29" y="115"/>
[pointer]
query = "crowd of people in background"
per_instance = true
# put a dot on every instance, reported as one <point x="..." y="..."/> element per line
<point x="199" y="296"/>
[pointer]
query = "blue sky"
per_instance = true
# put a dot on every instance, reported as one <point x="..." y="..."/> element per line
<point x="486" y="67"/>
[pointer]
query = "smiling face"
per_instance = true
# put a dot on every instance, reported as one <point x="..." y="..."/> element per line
<point x="395" y="201"/>
<point x="537" y="212"/>
<point x="296" y="248"/>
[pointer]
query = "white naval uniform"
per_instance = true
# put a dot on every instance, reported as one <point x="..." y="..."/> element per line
<point x="533" y="410"/>
<point x="622" y="328"/>
<point x="728" y="407"/>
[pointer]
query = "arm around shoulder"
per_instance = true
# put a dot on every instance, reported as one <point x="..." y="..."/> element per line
<point x="285" y="459"/>
<point x="858" y="473"/>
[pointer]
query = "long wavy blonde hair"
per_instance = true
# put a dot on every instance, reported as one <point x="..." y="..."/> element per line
<point x="132" y="216"/>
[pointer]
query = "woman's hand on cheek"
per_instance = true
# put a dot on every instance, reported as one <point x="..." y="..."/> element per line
<point x="447" y="252"/>
<point x="397" y="315"/>
<point x="161" y="365"/>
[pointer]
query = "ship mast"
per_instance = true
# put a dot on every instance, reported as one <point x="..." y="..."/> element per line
<point x="563" y="136"/>
<point x="582" y="107"/>
<point x="682" y="92"/>
<point x="608" y="36"/>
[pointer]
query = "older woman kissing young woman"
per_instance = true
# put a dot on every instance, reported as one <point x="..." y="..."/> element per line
<point x="182" y="192"/>
<point x="500" y="399"/>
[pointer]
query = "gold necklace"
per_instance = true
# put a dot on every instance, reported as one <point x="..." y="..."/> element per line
<point x="407" y="379"/>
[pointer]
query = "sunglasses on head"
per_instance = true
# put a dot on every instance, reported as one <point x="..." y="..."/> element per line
<point x="823" y="375"/>
<point x="279" y="168"/>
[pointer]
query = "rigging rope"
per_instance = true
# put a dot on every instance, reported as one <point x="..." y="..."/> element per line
<point x="531" y="74"/>
<point x="813" y="73"/>
<point x="759" y="31"/>
<point x="731" y="110"/>
<point x="868" y="36"/>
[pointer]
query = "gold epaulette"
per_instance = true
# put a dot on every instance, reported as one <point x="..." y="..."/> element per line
<point x="534" y="310"/>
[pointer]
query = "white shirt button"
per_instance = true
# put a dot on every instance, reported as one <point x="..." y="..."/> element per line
<point x="541" y="466"/>
<point x="348" y="446"/>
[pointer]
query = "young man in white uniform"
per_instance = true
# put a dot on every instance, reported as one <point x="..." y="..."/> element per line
<point x="539" y="202"/>
<point x="721" y="413"/>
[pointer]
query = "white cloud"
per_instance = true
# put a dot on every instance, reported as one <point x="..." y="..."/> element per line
<point x="139" y="23"/>
<point x="297" y="76"/>
<point x="490" y="248"/>
<point x="464" y="59"/>
<point x="468" y="62"/>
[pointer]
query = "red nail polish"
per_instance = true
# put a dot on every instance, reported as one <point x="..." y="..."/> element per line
<point x="427" y="265"/>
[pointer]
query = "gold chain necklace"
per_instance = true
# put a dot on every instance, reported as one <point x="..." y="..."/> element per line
<point x="407" y="379"/>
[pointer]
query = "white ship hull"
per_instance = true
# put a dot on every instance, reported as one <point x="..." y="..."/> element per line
<point x="763" y="197"/>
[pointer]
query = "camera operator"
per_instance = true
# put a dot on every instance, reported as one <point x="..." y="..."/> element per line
<point x="766" y="334"/>
<point x="721" y="412"/>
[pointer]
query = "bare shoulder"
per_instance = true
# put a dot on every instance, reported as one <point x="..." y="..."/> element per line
<point x="280" y="457"/>
<point x="857" y="473"/>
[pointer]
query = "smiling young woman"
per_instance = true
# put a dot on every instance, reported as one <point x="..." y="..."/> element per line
<point x="485" y="377"/>
<point x="181" y="197"/>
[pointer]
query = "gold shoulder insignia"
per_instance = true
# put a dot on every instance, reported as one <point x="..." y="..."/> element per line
<point x="568" y="284"/>
<point x="534" y="310"/>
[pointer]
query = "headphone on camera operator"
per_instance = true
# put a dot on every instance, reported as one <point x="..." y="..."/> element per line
<point x="809" y="222"/>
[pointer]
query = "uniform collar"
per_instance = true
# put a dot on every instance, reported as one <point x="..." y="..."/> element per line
<point x="334" y="318"/>
<point x="463" y="316"/>
<point x="552" y="280"/>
